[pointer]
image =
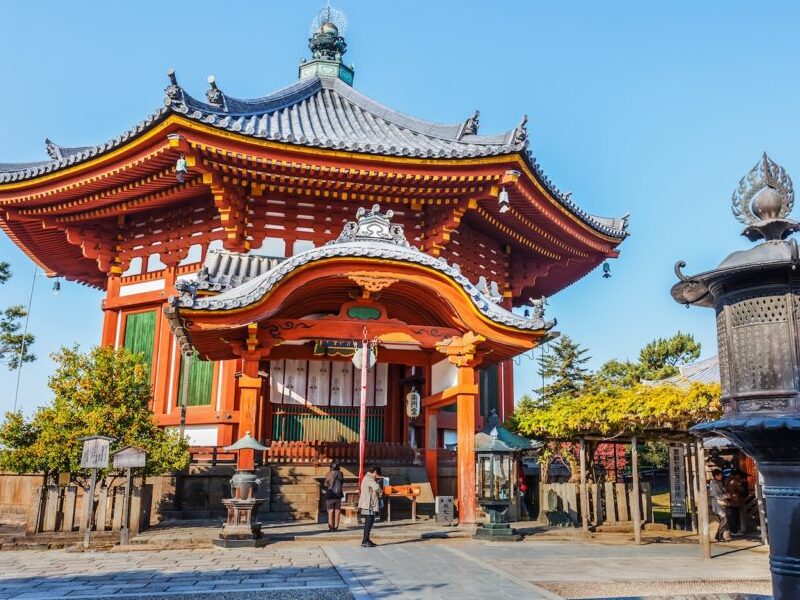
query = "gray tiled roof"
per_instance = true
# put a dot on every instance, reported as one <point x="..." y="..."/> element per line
<point x="371" y="236"/>
<point x="223" y="270"/>
<point x="324" y="112"/>
<point x="704" y="371"/>
<point x="19" y="171"/>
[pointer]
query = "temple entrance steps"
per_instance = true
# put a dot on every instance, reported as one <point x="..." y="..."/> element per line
<point x="295" y="491"/>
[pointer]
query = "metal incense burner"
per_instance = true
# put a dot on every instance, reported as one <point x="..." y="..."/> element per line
<point x="756" y="296"/>
<point x="241" y="528"/>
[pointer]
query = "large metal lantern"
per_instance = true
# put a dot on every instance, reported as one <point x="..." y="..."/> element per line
<point x="494" y="485"/>
<point x="756" y="296"/>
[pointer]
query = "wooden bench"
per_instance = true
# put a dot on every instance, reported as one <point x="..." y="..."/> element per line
<point x="403" y="491"/>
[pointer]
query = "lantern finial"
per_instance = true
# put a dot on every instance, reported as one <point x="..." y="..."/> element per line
<point x="763" y="200"/>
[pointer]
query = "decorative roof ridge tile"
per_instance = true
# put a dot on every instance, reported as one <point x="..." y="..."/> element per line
<point x="57" y="152"/>
<point x="302" y="90"/>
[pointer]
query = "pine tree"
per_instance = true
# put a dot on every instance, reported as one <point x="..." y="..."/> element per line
<point x="562" y="370"/>
<point x="14" y="345"/>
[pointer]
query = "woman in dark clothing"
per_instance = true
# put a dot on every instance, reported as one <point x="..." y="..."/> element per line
<point x="334" y="491"/>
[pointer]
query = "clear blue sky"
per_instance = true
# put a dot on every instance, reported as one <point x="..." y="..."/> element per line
<point x="650" y="108"/>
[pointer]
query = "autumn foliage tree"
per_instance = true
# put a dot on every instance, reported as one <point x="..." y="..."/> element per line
<point x="103" y="392"/>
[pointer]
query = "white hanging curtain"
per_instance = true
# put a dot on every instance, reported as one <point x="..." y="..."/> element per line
<point x="342" y="383"/>
<point x="381" y="386"/>
<point x="276" y="381"/>
<point x="294" y="382"/>
<point x="319" y="380"/>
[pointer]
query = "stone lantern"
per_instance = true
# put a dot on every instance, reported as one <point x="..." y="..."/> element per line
<point x="494" y="473"/>
<point x="756" y="296"/>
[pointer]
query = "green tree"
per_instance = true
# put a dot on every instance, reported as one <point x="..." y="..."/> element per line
<point x="103" y="392"/>
<point x="657" y="360"/>
<point x="660" y="358"/>
<point x="655" y="454"/>
<point x="562" y="369"/>
<point x="13" y="344"/>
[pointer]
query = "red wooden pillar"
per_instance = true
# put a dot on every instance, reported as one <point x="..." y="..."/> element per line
<point x="432" y="447"/>
<point x="110" y="317"/>
<point x="506" y="392"/>
<point x="465" y="408"/>
<point x="249" y="399"/>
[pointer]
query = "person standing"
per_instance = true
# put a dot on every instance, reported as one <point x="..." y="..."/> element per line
<point x="369" y="503"/>
<point x="736" y="489"/>
<point x="334" y="491"/>
<point x="719" y="502"/>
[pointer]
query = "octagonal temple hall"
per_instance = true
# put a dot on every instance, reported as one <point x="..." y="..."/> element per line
<point x="249" y="245"/>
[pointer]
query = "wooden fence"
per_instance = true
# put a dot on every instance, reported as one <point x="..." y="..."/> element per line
<point x="61" y="509"/>
<point x="313" y="453"/>
<point x="294" y="422"/>
<point x="609" y="502"/>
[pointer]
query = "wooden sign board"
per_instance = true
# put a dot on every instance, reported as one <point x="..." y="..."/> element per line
<point x="95" y="452"/>
<point x="129" y="458"/>
<point x="677" y="482"/>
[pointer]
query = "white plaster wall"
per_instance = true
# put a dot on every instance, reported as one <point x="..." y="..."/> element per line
<point x="200" y="435"/>
<point x="140" y="288"/>
<point x="444" y="374"/>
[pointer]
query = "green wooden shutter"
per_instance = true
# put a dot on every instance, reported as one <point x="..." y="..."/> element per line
<point x="140" y="335"/>
<point x="200" y="374"/>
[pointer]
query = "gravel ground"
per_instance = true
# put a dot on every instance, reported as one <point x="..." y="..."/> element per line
<point x="664" y="590"/>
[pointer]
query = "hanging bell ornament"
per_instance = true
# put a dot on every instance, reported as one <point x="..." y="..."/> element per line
<point x="180" y="168"/>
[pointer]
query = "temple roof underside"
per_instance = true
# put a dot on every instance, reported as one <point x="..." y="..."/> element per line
<point x="317" y="149"/>
<point x="371" y="253"/>
<point x="322" y="112"/>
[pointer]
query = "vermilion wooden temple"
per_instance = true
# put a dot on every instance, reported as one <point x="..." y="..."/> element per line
<point x="272" y="234"/>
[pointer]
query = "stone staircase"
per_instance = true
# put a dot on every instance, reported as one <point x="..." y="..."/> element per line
<point x="295" y="491"/>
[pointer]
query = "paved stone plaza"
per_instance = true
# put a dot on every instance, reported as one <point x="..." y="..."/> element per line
<point x="457" y="569"/>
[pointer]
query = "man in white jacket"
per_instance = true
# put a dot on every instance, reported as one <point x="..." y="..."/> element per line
<point x="369" y="503"/>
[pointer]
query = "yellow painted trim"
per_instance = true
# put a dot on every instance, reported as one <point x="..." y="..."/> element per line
<point x="107" y="157"/>
<point x="381" y="261"/>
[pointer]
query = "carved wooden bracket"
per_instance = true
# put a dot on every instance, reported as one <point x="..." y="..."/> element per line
<point x="461" y="350"/>
<point x="231" y="203"/>
<point x="371" y="282"/>
<point x="99" y="244"/>
<point x="439" y="228"/>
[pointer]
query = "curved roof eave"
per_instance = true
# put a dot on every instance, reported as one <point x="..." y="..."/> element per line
<point x="616" y="227"/>
<point x="254" y="290"/>
<point x="372" y="129"/>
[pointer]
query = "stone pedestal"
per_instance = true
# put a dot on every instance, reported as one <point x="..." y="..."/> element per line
<point x="241" y="530"/>
<point x="496" y="532"/>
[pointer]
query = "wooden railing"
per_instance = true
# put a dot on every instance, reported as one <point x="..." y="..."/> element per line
<point x="312" y="453"/>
